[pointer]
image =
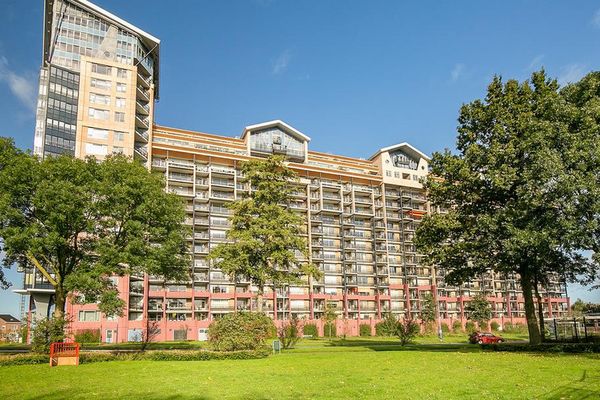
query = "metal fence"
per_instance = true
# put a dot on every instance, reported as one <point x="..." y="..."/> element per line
<point x="584" y="329"/>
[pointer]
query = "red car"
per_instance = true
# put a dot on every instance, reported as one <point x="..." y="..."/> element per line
<point x="484" y="338"/>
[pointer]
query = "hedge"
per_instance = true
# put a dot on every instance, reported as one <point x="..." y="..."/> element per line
<point x="87" y="358"/>
<point x="310" y="330"/>
<point x="545" y="347"/>
<point x="365" y="330"/>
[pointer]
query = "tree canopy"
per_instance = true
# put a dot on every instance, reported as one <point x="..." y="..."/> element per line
<point x="83" y="221"/>
<point x="522" y="194"/>
<point x="265" y="234"/>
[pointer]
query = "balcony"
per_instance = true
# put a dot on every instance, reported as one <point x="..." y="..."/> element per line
<point x="141" y="108"/>
<point x="141" y="151"/>
<point x="142" y="136"/>
<point x="142" y="122"/>
<point x="142" y="93"/>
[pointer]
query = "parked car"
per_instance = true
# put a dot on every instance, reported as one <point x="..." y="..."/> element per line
<point x="484" y="338"/>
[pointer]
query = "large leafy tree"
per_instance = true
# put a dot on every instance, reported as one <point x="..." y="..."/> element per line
<point x="523" y="192"/>
<point x="81" y="221"/>
<point x="265" y="232"/>
<point x="480" y="310"/>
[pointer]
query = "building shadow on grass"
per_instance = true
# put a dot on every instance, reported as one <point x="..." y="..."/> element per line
<point x="67" y="394"/>
<point x="391" y="346"/>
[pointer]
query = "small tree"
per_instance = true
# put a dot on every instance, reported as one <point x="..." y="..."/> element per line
<point x="265" y="233"/>
<point x="310" y="330"/>
<point x="457" y="326"/>
<point x="150" y="333"/>
<point x="329" y="317"/>
<point x="428" y="310"/>
<point x="289" y="332"/>
<point x="480" y="310"/>
<point x="406" y="331"/>
<point x="46" y="332"/>
<point x="387" y="326"/>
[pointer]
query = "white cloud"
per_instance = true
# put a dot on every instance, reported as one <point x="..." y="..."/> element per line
<point x="21" y="86"/>
<point x="571" y="73"/>
<point x="457" y="72"/>
<point x="536" y="63"/>
<point x="281" y="62"/>
<point x="596" y="19"/>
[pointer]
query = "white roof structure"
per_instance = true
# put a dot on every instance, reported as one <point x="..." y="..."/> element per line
<point x="406" y="147"/>
<point x="275" y="123"/>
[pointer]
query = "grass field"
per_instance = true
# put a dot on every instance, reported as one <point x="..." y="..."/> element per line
<point x="357" y="369"/>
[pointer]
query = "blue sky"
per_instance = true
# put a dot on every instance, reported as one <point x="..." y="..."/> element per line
<point x="354" y="76"/>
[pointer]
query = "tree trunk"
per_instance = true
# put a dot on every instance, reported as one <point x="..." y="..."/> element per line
<point x="259" y="299"/>
<point x="532" y="323"/>
<point x="540" y="311"/>
<point x="59" y="302"/>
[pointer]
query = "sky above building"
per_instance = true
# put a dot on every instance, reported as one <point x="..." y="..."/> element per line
<point x="354" y="76"/>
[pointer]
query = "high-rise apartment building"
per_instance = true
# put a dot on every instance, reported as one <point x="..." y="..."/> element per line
<point x="359" y="216"/>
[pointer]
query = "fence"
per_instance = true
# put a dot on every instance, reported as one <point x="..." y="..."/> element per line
<point x="579" y="329"/>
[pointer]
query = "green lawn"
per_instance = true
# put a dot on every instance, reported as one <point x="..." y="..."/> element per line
<point x="375" y="369"/>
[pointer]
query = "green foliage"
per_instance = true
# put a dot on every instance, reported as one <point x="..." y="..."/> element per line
<point x="265" y="233"/>
<point x="173" y="355"/>
<point x="514" y="328"/>
<point x="46" y="332"/>
<point x="310" y="330"/>
<point x="428" y="309"/>
<point x="88" y="336"/>
<point x="24" y="332"/>
<point x="387" y="326"/>
<point x="85" y="220"/>
<point x="288" y="332"/>
<point x="329" y="330"/>
<point x="480" y="310"/>
<point x="365" y="330"/>
<point x="522" y="187"/>
<point x="470" y="326"/>
<point x="329" y="317"/>
<point x="580" y="308"/>
<point x="457" y="326"/>
<point x="445" y="327"/>
<point x="545" y="347"/>
<point x="241" y="331"/>
<point x="407" y="330"/>
<point x="495" y="326"/>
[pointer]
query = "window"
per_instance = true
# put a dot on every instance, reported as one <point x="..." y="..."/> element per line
<point x="121" y="87"/>
<point x="100" y="84"/>
<point x="120" y="103"/>
<point x="89" y="316"/>
<point x="98" y="114"/>
<point x="415" y="177"/>
<point x="119" y="136"/>
<point x="94" y="133"/>
<point x="119" y="117"/>
<point x="118" y="150"/>
<point x="98" y="149"/>
<point x="388" y="173"/>
<point x="396" y="174"/>
<point x="101" y="69"/>
<point x="122" y="73"/>
<point x="100" y="99"/>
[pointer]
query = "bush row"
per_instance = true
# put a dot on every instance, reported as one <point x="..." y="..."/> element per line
<point x="87" y="358"/>
<point x="546" y="347"/>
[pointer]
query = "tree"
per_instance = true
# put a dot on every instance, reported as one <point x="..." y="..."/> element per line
<point x="289" y="332"/>
<point x="406" y="330"/>
<point x="387" y="326"/>
<point x="428" y="309"/>
<point x="580" y="308"/>
<point x="265" y="233"/>
<point x="479" y="309"/>
<point x="522" y="193"/>
<point x="329" y="317"/>
<point x="150" y="333"/>
<point x="80" y="221"/>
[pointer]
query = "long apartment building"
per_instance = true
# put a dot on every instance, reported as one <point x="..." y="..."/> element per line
<point x="360" y="215"/>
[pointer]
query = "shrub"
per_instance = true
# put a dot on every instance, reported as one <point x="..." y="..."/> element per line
<point x="241" y="331"/>
<point x="445" y="327"/>
<point x="545" y="347"/>
<point x="457" y="327"/>
<point x="179" y="355"/>
<point x="310" y="330"/>
<point x="470" y="326"/>
<point x="330" y="330"/>
<point x="515" y="328"/>
<point x="88" y="336"/>
<point x="289" y="332"/>
<point x="407" y="330"/>
<point x="365" y="330"/>
<point x="387" y="327"/>
<point x="495" y="326"/>
<point x="47" y="331"/>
